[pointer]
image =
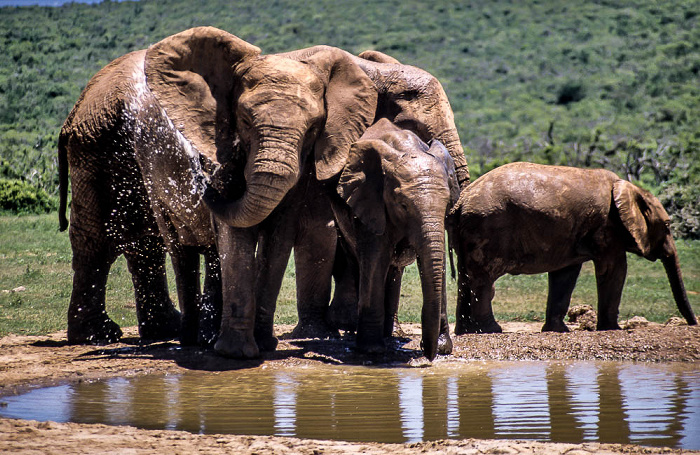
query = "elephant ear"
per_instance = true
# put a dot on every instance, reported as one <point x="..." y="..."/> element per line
<point x="361" y="184"/>
<point x="634" y="213"/>
<point x="191" y="74"/>
<point x="440" y="152"/>
<point x="379" y="57"/>
<point x="351" y="102"/>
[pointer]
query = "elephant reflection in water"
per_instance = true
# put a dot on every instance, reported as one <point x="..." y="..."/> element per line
<point x="571" y="402"/>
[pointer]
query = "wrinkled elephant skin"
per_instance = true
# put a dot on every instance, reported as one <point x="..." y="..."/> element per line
<point x="394" y="194"/>
<point x="525" y="218"/>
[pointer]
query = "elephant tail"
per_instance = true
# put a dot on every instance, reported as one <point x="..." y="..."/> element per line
<point x="62" y="182"/>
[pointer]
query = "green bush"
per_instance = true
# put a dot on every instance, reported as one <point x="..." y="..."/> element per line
<point x="18" y="196"/>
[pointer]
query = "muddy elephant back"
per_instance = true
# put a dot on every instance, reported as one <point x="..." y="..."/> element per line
<point x="102" y="103"/>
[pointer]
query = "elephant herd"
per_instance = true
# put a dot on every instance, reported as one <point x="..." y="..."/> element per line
<point x="202" y="146"/>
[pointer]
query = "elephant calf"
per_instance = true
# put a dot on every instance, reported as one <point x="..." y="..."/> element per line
<point x="394" y="193"/>
<point x="525" y="218"/>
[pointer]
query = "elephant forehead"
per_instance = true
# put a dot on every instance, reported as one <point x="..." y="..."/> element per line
<point x="274" y="71"/>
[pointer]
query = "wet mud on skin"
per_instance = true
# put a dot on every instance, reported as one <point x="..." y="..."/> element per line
<point x="28" y="362"/>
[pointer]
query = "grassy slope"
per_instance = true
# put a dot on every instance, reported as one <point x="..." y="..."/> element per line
<point x="610" y="75"/>
<point x="35" y="255"/>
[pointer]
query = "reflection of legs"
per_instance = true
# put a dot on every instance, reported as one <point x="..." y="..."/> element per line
<point x="561" y="286"/>
<point x="236" y="248"/>
<point x="185" y="261"/>
<point x="610" y="276"/>
<point x="87" y="317"/>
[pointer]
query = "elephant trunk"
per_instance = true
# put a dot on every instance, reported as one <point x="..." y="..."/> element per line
<point x="271" y="174"/>
<point x="450" y="139"/>
<point x="673" y="271"/>
<point x="431" y="264"/>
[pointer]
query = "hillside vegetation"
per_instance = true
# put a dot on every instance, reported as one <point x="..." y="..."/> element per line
<point x="602" y="83"/>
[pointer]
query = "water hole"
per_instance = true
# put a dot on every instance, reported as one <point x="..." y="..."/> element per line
<point x="647" y="404"/>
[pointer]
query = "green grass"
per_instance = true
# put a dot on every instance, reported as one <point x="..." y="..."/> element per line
<point x="35" y="255"/>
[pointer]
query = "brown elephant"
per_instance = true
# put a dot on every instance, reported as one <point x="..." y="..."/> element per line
<point x="195" y="102"/>
<point x="110" y="211"/>
<point x="414" y="100"/>
<point x="525" y="218"/>
<point x="130" y="120"/>
<point x="394" y="194"/>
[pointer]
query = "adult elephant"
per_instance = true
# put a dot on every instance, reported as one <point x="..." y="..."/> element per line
<point x="110" y="211"/>
<point x="413" y="100"/>
<point x="394" y="194"/>
<point x="269" y="121"/>
<point x="530" y="218"/>
<point x="198" y="101"/>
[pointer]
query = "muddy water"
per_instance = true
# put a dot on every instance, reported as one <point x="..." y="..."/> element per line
<point x="647" y="404"/>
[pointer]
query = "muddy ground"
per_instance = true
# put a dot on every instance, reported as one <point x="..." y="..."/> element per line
<point x="26" y="362"/>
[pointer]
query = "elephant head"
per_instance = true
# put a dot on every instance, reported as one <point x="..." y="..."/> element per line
<point x="648" y="225"/>
<point x="403" y="190"/>
<point x="411" y="98"/>
<point x="221" y="93"/>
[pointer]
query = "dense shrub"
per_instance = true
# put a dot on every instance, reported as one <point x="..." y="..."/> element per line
<point x="18" y="196"/>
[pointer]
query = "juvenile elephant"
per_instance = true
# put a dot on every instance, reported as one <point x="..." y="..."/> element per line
<point x="525" y="218"/>
<point x="393" y="196"/>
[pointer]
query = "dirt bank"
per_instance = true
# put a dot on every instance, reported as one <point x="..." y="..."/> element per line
<point x="28" y="361"/>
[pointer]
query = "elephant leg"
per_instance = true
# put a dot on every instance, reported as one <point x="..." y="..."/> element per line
<point x="88" y="321"/>
<point x="561" y="286"/>
<point x="157" y="317"/>
<point x="274" y="250"/>
<point x="236" y="248"/>
<point x="474" y="310"/>
<point x="480" y="315"/>
<point x="370" y="325"/>
<point x="342" y="313"/>
<point x="391" y="302"/>
<point x="610" y="274"/>
<point x="210" y="308"/>
<point x="314" y="252"/>
<point x="313" y="255"/>
<point x="444" y="340"/>
<point x="185" y="260"/>
<point x="463" y="314"/>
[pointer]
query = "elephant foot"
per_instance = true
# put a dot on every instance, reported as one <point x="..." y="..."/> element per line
<point x="342" y="315"/>
<point x="608" y="326"/>
<point x="314" y="329"/>
<point x="102" y="331"/>
<point x="165" y="327"/>
<point x="555" y="326"/>
<point x="207" y="337"/>
<point x="472" y="326"/>
<point x="370" y="344"/>
<point x="444" y="344"/>
<point x="237" y="344"/>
